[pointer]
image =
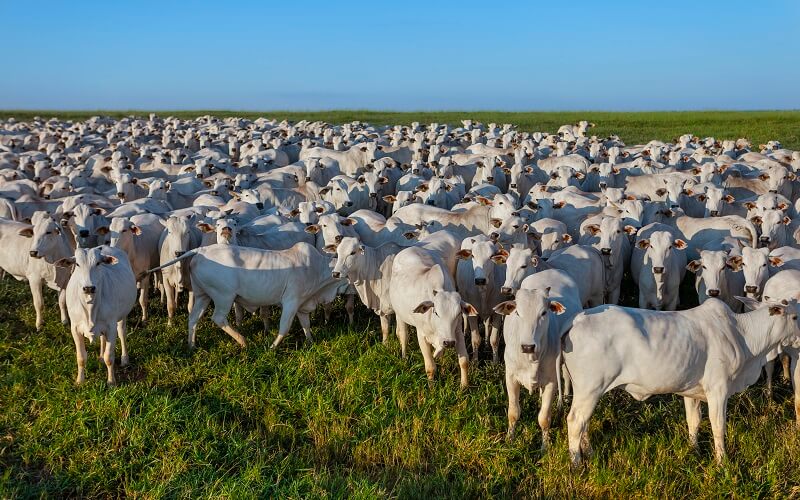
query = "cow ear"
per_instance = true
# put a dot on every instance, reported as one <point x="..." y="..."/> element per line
<point x="500" y="258"/>
<point x="423" y="307"/>
<point x="102" y="230"/>
<point x="383" y="180"/>
<point x="390" y="198"/>
<point x="319" y="210"/>
<point x="313" y="228"/>
<point x="410" y="235"/>
<point x="65" y="262"/>
<point x="694" y="266"/>
<point x="729" y="198"/>
<point x="484" y="201"/>
<point x="560" y="204"/>
<point x="702" y="197"/>
<point x="362" y="249"/>
<point x="679" y="244"/>
<point x="26" y="232"/>
<point x="566" y="238"/>
<point x="630" y="230"/>
<point x="348" y="222"/>
<point x="756" y="220"/>
<point x="136" y="230"/>
<point x="735" y="263"/>
<point x="661" y="192"/>
<point x="775" y="310"/>
<point x="468" y="309"/>
<point x="329" y="248"/>
<point x="763" y="177"/>
<point x="294" y="213"/>
<point x="205" y="227"/>
<point x="496" y="222"/>
<point x="505" y="308"/>
<point x="324" y="190"/>
<point x="109" y="259"/>
<point x="464" y="254"/>
<point x="593" y="229"/>
<point x="776" y="261"/>
<point x="557" y="307"/>
<point x="786" y="220"/>
<point x="749" y="205"/>
<point x="579" y="175"/>
<point x="643" y="244"/>
<point x="235" y="195"/>
<point x="361" y="179"/>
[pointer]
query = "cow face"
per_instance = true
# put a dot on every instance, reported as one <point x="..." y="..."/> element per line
<point x="444" y="314"/>
<point x="535" y="310"/>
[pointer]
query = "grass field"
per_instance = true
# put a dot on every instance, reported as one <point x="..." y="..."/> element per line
<point x="346" y="416"/>
<point x="633" y="128"/>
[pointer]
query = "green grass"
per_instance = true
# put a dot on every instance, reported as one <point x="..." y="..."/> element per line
<point x="633" y="128"/>
<point x="347" y="417"/>
<point x="344" y="417"/>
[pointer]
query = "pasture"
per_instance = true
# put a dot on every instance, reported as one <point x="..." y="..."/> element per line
<point x="346" y="416"/>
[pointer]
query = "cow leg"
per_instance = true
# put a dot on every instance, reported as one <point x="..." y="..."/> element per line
<point x="191" y="303"/>
<point x="169" y="291"/>
<point x="80" y="354"/>
<point x="692" y="418"/>
<point x="514" y="409"/>
<point x="326" y="310"/>
<point x="463" y="361"/>
<point x="238" y="314"/>
<point x="769" y="370"/>
<point x="102" y="348"/>
<point x="717" y="412"/>
<point x="305" y="324"/>
<point x="427" y="356"/>
<point x="786" y="362"/>
<point x="384" y="328"/>
<point x="494" y="339"/>
<point x="264" y="313"/>
<point x="475" y="335"/>
<point x="402" y="336"/>
<point x="144" y="296"/>
<point x="582" y="407"/>
<point x="222" y="307"/>
<point x="199" y="307"/>
<point x="350" y="306"/>
<point x="796" y="385"/>
<point x="62" y="306"/>
<point x="288" y="312"/>
<point x="122" y="331"/>
<point x="38" y="301"/>
<point x="548" y="395"/>
<point x="567" y="380"/>
<point x="161" y="288"/>
<point x="108" y="356"/>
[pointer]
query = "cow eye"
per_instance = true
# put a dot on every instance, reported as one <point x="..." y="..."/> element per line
<point x="524" y="267"/>
<point x="544" y="313"/>
<point x="48" y="232"/>
<point x="704" y="267"/>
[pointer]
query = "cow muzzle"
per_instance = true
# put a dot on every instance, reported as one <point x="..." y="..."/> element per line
<point x="603" y="185"/>
<point x="714" y="213"/>
<point x="430" y="202"/>
<point x="34" y="254"/>
<point x="751" y="289"/>
<point x="449" y="343"/>
<point x="89" y="290"/>
<point x="348" y="204"/>
<point x="605" y="251"/>
<point x="336" y="274"/>
<point x="178" y="253"/>
<point x="764" y="240"/>
<point x="658" y="270"/>
<point x="528" y="348"/>
<point x="338" y="238"/>
<point x="121" y="195"/>
<point x="260" y="206"/>
<point x="507" y="291"/>
<point x="713" y="293"/>
<point x="480" y="281"/>
<point x="83" y="233"/>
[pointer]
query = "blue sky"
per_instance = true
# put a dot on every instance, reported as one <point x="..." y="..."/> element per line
<point x="465" y="55"/>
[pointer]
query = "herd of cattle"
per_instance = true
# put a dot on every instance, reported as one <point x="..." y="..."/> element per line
<point x="477" y="229"/>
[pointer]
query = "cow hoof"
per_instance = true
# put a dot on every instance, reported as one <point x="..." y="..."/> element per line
<point x="124" y="361"/>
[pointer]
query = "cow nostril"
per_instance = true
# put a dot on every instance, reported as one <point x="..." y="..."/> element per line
<point x="506" y="291"/>
<point x="658" y="270"/>
<point x="751" y="289"/>
<point x="605" y="251"/>
<point x="338" y="238"/>
<point x="495" y="236"/>
<point x="713" y="293"/>
<point x="715" y="213"/>
<point x="37" y="179"/>
<point x="120" y="195"/>
<point x="449" y="343"/>
<point x="33" y="253"/>
<point x="490" y="179"/>
<point x="513" y="186"/>
<point x="528" y="348"/>
<point x="336" y="274"/>
<point x="89" y="290"/>
<point x="603" y="185"/>
<point x="480" y="281"/>
<point x="774" y="191"/>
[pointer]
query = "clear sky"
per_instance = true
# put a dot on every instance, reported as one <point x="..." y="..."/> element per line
<point x="403" y="55"/>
